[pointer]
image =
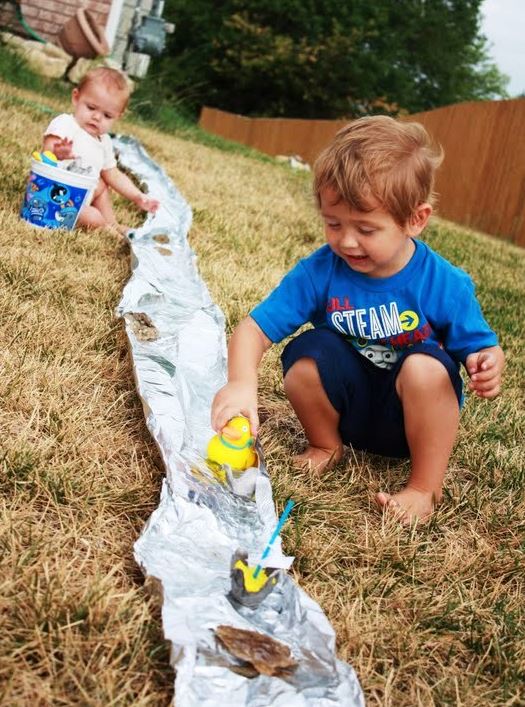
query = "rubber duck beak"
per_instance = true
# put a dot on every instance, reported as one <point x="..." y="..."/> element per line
<point x="231" y="432"/>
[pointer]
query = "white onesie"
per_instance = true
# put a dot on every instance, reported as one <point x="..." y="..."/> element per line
<point x="93" y="152"/>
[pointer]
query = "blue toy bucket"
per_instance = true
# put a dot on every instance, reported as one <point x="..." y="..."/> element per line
<point x="55" y="196"/>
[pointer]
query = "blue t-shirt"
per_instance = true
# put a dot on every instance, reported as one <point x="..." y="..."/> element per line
<point x="429" y="300"/>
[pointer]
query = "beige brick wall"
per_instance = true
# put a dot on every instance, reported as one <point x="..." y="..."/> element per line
<point x="46" y="17"/>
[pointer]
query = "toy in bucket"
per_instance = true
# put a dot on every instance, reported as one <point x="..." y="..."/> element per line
<point x="54" y="196"/>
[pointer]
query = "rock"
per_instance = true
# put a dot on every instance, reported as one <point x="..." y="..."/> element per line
<point x="267" y="655"/>
<point x="44" y="59"/>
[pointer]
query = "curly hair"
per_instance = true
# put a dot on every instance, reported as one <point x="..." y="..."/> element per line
<point x="379" y="158"/>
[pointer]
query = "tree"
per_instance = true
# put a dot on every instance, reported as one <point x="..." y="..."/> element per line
<point x="330" y="58"/>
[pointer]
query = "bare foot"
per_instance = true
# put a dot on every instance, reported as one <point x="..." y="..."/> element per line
<point x="317" y="459"/>
<point x="409" y="505"/>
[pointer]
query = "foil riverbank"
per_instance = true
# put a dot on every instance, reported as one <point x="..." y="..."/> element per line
<point x="177" y="341"/>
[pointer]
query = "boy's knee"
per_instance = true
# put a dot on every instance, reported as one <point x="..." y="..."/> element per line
<point x="420" y="372"/>
<point x="301" y="373"/>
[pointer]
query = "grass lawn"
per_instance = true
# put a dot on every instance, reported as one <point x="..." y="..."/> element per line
<point x="431" y="616"/>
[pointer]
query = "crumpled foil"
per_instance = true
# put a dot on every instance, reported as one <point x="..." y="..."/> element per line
<point x="177" y="340"/>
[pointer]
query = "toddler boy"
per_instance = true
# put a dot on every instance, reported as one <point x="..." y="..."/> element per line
<point x="392" y="320"/>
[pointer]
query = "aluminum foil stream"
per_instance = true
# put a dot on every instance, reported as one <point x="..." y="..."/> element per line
<point x="177" y="340"/>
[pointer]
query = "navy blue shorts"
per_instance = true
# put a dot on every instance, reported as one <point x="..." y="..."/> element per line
<point x="364" y="395"/>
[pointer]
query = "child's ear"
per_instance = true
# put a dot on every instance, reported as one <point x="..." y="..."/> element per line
<point x="419" y="219"/>
<point x="74" y="96"/>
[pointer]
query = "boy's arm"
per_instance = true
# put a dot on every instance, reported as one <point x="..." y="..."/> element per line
<point x="123" y="185"/>
<point x="247" y="346"/>
<point x="484" y="368"/>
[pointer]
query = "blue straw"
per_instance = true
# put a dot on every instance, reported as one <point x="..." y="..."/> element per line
<point x="284" y="515"/>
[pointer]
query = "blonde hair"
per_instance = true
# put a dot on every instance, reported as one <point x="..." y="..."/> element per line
<point x="377" y="157"/>
<point x="111" y="78"/>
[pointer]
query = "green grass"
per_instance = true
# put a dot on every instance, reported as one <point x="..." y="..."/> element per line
<point x="14" y="70"/>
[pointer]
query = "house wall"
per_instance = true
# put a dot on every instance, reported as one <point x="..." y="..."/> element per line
<point x="124" y="26"/>
<point x="46" y="17"/>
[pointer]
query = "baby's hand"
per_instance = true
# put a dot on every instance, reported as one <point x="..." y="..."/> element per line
<point x="147" y="204"/>
<point x="484" y="368"/>
<point x="235" y="399"/>
<point x="63" y="149"/>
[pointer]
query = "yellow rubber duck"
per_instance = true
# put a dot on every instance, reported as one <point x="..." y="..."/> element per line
<point x="47" y="157"/>
<point x="234" y="446"/>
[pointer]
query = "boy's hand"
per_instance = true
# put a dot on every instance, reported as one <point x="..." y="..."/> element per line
<point x="63" y="149"/>
<point x="484" y="368"/>
<point x="235" y="399"/>
<point x="146" y="204"/>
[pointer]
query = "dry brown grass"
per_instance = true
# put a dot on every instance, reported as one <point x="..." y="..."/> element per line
<point x="431" y="616"/>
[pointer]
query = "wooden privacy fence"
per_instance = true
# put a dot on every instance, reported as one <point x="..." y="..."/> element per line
<point x="480" y="184"/>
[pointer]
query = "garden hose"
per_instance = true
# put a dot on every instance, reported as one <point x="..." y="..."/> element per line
<point x="20" y="17"/>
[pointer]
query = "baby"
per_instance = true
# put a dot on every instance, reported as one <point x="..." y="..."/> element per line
<point x="392" y="319"/>
<point x="98" y="100"/>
